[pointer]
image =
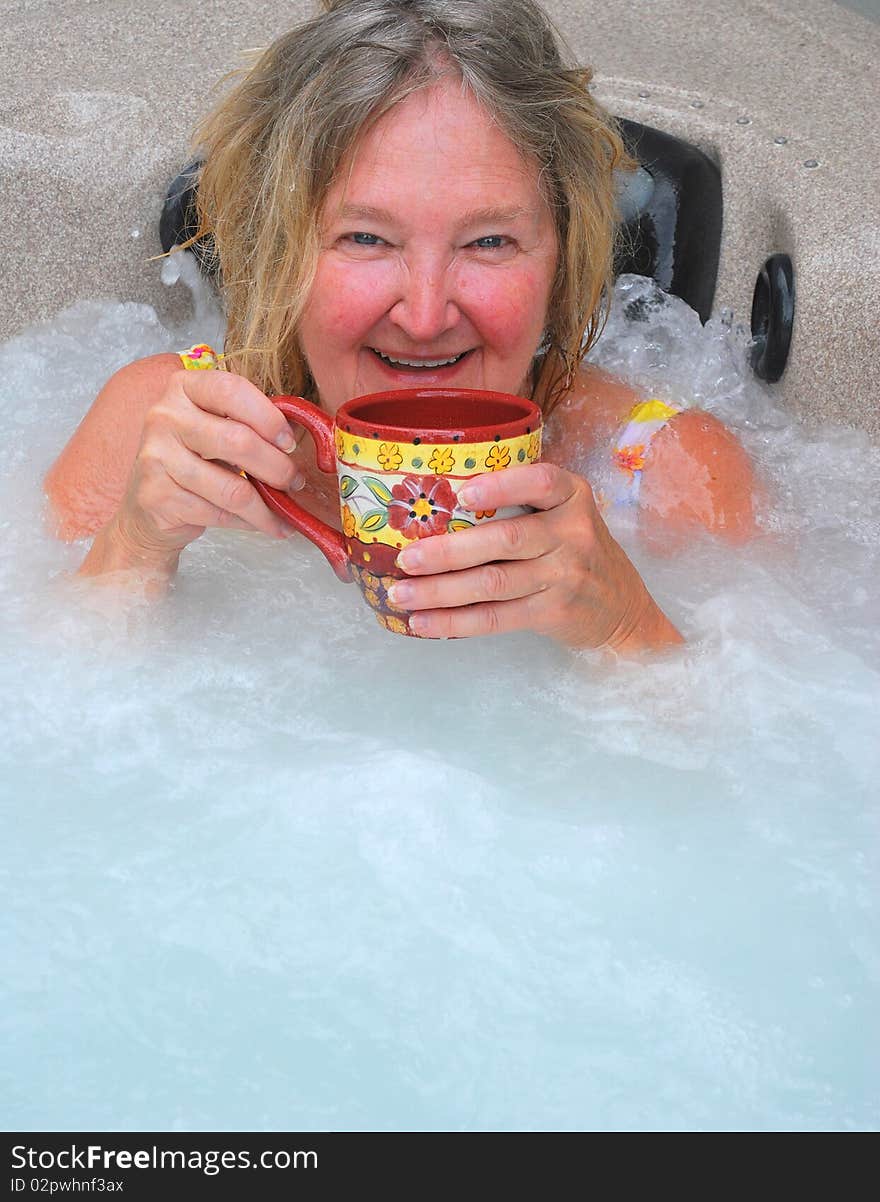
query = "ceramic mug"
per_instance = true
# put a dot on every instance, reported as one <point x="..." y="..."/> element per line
<point x="401" y="458"/>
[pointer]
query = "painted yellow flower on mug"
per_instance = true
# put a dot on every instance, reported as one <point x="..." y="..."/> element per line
<point x="534" y="449"/>
<point x="442" y="460"/>
<point x="340" y="444"/>
<point x="389" y="456"/>
<point x="349" y="522"/>
<point x="498" y="458"/>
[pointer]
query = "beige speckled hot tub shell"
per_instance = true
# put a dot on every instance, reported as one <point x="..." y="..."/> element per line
<point x="97" y="99"/>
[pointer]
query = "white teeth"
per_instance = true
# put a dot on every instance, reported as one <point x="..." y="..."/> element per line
<point x="419" y="362"/>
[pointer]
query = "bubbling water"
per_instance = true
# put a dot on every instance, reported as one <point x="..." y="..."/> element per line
<point x="268" y="866"/>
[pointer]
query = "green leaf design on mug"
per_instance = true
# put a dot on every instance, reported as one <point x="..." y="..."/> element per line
<point x="378" y="489"/>
<point x="459" y="524"/>
<point x="375" y="519"/>
<point x="347" y="485"/>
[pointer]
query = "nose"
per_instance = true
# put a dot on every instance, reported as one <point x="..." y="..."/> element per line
<point x="426" y="308"/>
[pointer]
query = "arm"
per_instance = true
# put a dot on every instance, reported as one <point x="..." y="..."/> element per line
<point x="556" y="571"/>
<point x="147" y="470"/>
<point x="87" y="481"/>
<point x="578" y="585"/>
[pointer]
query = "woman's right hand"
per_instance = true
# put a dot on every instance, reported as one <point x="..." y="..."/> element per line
<point x="183" y="479"/>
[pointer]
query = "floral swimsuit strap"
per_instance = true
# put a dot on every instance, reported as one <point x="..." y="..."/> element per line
<point x="630" y="448"/>
<point x="201" y="357"/>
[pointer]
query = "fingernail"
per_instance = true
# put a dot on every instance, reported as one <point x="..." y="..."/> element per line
<point x="409" y="558"/>
<point x="400" y="593"/>
<point x="298" y="482"/>
<point x="470" y="496"/>
<point x="285" y="439"/>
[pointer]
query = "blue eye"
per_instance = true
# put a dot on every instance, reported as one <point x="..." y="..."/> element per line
<point x="496" y="241"/>
<point x="362" y="239"/>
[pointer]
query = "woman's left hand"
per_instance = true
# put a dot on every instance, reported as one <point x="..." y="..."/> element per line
<point x="556" y="571"/>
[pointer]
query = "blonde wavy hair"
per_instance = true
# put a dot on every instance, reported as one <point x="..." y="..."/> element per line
<point x="273" y="145"/>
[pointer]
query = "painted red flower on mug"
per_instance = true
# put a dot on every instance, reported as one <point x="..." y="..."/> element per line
<point x="421" y="505"/>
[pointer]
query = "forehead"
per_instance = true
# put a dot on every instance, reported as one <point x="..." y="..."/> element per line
<point x="437" y="143"/>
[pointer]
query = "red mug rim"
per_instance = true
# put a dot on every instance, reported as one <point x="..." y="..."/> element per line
<point x="453" y="415"/>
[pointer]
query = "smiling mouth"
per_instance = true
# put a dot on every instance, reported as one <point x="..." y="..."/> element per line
<point x="419" y="364"/>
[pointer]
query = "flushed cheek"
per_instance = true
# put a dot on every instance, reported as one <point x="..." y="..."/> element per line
<point x="344" y="307"/>
<point x="509" y="313"/>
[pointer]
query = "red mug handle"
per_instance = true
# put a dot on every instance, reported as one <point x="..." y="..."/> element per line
<point x="329" y="541"/>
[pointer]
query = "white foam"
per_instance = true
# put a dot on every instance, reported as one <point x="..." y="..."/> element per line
<point x="269" y="866"/>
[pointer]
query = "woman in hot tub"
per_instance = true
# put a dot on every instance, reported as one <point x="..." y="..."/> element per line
<point x="404" y="195"/>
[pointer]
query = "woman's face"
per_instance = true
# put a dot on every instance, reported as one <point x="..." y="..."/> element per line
<point x="438" y="253"/>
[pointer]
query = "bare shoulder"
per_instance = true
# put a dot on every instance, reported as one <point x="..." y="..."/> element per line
<point x="588" y="415"/>
<point x="135" y="386"/>
<point x="88" y="479"/>
<point x="699" y="475"/>
<point x="596" y="393"/>
<point x="696" y="474"/>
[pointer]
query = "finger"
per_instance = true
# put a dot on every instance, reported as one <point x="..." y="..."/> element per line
<point x="227" y="491"/>
<point x="196" y="511"/>
<point x="468" y="621"/>
<point x="233" y="442"/>
<point x="526" y="537"/>
<point x="229" y="521"/>
<point x="228" y="395"/>
<point x="539" y="485"/>
<point x="543" y="487"/>
<point x="490" y="582"/>
<point x="225" y="520"/>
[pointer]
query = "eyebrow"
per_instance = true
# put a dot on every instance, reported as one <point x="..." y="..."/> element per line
<point x="488" y="216"/>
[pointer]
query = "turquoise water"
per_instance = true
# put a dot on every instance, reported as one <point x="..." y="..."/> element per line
<point x="269" y="867"/>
